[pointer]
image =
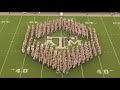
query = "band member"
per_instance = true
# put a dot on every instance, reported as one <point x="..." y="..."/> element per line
<point x="33" y="31"/>
<point x="58" y="62"/>
<point x="92" y="43"/>
<point x="44" y="29"/>
<point x="82" y="54"/>
<point x="48" y="29"/>
<point x="40" y="31"/>
<point x="90" y="50"/>
<point x="84" y="33"/>
<point x="59" y="24"/>
<point x="48" y="56"/>
<point x="26" y="39"/>
<point x="44" y="54"/>
<point x="36" y="54"/>
<point x="41" y="54"/>
<point x="77" y="54"/>
<point x="79" y="29"/>
<point x="64" y="61"/>
<point x="36" y="30"/>
<point x="73" y="27"/>
<point x="83" y="30"/>
<point x="86" y="30"/>
<point x="61" y="62"/>
<point x="96" y="41"/>
<point x="73" y="56"/>
<point x="69" y="59"/>
<point x="29" y="44"/>
<point x="76" y="29"/>
<point x="55" y="26"/>
<point x="87" y="55"/>
<point x="51" y="56"/>
<point x="55" y="59"/>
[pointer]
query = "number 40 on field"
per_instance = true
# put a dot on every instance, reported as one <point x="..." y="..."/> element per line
<point x="20" y="70"/>
<point x="105" y="71"/>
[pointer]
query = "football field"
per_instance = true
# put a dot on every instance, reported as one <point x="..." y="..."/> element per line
<point x="15" y="64"/>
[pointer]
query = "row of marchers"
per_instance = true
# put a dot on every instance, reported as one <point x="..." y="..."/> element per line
<point x="61" y="60"/>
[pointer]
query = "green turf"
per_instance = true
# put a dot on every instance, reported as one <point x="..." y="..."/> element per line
<point x="11" y="56"/>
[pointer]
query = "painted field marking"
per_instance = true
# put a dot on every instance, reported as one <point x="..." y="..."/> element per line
<point x="4" y="24"/>
<point x="10" y="47"/>
<point x="22" y="66"/>
<point x="105" y="71"/>
<point x="83" y="76"/>
<point x="18" y="70"/>
<point x="5" y="21"/>
<point x="101" y="66"/>
<point x="110" y="41"/>
<point x="116" y="21"/>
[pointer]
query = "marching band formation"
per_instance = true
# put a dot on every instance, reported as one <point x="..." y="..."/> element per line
<point x="61" y="60"/>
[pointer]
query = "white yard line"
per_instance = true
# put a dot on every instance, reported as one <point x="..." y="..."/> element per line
<point x="24" y="59"/>
<point x="101" y="66"/>
<point x="81" y="64"/>
<point x="22" y="66"/>
<point x="83" y="76"/>
<point x="41" y="70"/>
<point x="10" y="47"/>
<point x="110" y="41"/>
<point x="4" y="24"/>
<point x="45" y="40"/>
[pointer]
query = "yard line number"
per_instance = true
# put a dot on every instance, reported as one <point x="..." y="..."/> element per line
<point x="5" y="21"/>
<point x="20" y="70"/>
<point x="32" y="22"/>
<point x="90" y="23"/>
<point x="105" y="71"/>
<point x="116" y="22"/>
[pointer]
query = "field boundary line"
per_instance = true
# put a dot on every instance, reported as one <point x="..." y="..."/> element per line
<point x="10" y="46"/>
<point x="101" y="66"/>
<point x="110" y="41"/>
